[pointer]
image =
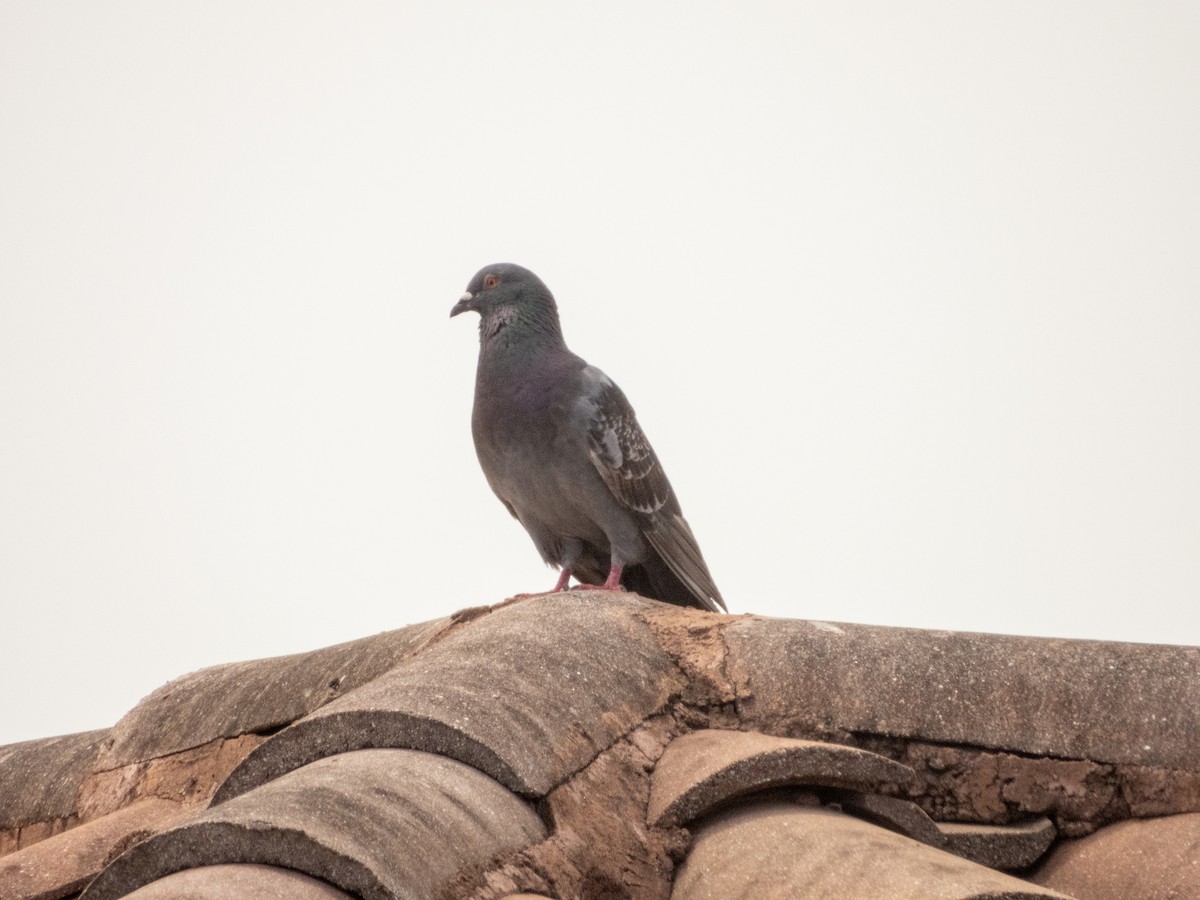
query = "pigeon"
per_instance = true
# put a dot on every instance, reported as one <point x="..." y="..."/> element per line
<point x="562" y="449"/>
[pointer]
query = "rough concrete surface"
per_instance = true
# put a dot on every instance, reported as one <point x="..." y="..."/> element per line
<point x="355" y="820"/>
<point x="238" y="882"/>
<point x="700" y="770"/>
<point x="546" y="703"/>
<point x="811" y="853"/>
<point x="1146" y="859"/>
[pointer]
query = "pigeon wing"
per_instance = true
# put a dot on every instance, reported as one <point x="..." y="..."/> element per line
<point x="627" y="463"/>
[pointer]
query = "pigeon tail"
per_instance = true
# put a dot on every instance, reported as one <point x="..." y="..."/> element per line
<point x="653" y="578"/>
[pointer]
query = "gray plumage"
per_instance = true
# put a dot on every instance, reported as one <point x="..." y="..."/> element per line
<point x="562" y="449"/>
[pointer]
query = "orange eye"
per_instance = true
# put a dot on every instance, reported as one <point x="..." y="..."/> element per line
<point x="490" y="281"/>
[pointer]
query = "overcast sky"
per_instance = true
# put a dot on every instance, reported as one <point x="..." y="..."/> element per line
<point x="907" y="297"/>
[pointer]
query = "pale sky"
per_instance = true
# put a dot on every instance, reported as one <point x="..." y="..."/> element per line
<point x="907" y="297"/>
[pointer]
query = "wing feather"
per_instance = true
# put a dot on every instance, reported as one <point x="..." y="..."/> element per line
<point x="629" y="466"/>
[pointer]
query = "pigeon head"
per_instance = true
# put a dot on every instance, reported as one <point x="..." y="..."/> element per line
<point x="506" y="294"/>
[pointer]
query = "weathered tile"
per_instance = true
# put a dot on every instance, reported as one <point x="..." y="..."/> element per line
<point x="528" y="693"/>
<point x="1150" y="859"/>
<point x="534" y="692"/>
<point x="902" y="816"/>
<point x="39" y="780"/>
<point x="63" y="864"/>
<point x="1016" y="846"/>
<point x="1102" y="701"/>
<point x="189" y="776"/>
<point x="995" y="846"/>
<point x="378" y="824"/>
<point x="700" y="770"/>
<point x="238" y="882"/>
<point x="259" y="695"/>
<point x="775" y="849"/>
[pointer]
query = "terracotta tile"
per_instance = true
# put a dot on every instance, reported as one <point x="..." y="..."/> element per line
<point x="39" y="780"/>
<point x="902" y="816"/>
<point x="633" y="726"/>
<point x="1000" y="846"/>
<point x="375" y="823"/>
<point x="260" y="695"/>
<point x="566" y="676"/>
<point x="1150" y="859"/>
<point x="701" y="770"/>
<point x="63" y="864"/>
<point x="238" y="882"/>
<point x="1102" y="701"/>
<point x="807" y="853"/>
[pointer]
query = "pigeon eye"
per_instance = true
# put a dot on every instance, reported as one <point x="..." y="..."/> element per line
<point x="490" y="281"/>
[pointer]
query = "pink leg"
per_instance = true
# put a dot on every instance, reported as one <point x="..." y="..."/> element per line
<point x="561" y="584"/>
<point x="613" y="582"/>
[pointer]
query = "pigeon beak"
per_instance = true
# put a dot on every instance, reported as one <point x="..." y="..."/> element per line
<point x="463" y="304"/>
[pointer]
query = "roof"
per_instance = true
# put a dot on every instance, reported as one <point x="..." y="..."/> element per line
<point x="597" y="744"/>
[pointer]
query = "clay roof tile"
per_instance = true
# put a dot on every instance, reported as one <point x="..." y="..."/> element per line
<point x="598" y="744"/>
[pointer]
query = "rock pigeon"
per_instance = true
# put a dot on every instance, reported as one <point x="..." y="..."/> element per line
<point x="562" y="449"/>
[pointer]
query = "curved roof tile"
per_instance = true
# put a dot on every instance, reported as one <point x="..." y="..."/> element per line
<point x="581" y="699"/>
<point x="901" y="816"/>
<point x="235" y="882"/>
<point x="40" y="780"/>
<point x="355" y="820"/>
<point x="776" y="849"/>
<point x="1150" y="859"/>
<point x="700" y="770"/>
<point x="528" y="693"/>
<point x="1000" y="846"/>
<point x="63" y="864"/>
<point x="1104" y="701"/>
<point x="255" y="696"/>
<point x="995" y="846"/>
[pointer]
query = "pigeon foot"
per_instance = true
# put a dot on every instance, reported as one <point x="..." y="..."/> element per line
<point x="613" y="582"/>
<point x="561" y="584"/>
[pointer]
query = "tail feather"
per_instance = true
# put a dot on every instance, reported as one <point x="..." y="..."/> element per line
<point x="676" y="547"/>
<point x="653" y="578"/>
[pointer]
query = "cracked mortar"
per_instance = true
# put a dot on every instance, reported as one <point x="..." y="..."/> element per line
<point x="966" y="784"/>
<point x="190" y="777"/>
<point x="601" y="846"/>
